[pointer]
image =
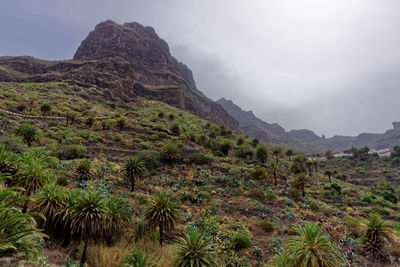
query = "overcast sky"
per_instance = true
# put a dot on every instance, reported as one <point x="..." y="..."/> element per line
<point x="332" y="66"/>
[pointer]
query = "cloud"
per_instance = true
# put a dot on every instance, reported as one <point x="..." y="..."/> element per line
<point x="330" y="66"/>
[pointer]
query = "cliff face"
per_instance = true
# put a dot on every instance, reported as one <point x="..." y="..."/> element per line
<point x="127" y="61"/>
<point x="156" y="73"/>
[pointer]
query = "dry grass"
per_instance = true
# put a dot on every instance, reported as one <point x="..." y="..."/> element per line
<point x="103" y="256"/>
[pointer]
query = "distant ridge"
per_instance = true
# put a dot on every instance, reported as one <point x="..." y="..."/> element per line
<point x="307" y="140"/>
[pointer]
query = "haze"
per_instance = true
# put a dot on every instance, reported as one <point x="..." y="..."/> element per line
<point x="329" y="66"/>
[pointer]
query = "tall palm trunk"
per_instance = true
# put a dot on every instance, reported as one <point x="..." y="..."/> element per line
<point x="161" y="234"/>
<point x="133" y="184"/>
<point x="83" y="258"/>
<point x="275" y="181"/>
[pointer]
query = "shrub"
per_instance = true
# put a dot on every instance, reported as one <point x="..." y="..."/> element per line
<point x="313" y="206"/>
<point x="117" y="137"/>
<point x="150" y="159"/>
<point x="240" y="241"/>
<point x="389" y="196"/>
<point x="170" y="153"/>
<point x="257" y="193"/>
<point x="145" y="145"/>
<point x="351" y="222"/>
<point x="258" y="252"/>
<point x="175" y="128"/>
<point x="258" y="172"/>
<point x="200" y="158"/>
<point x="171" y="117"/>
<point x="137" y="140"/>
<point x="244" y="151"/>
<point x="62" y="180"/>
<point x="12" y="143"/>
<point x="266" y="225"/>
<point x="68" y="152"/>
<point x="225" y="147"/>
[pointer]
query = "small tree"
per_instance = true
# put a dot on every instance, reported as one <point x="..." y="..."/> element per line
<point x="27" y="132"/>
<point x="255" y="142"/>
<point x="277" y="152"/>
<point x="329" y="173"/>
<point x="289" y="153"/>
<point x="275" y="170"/>
<point x="133" y="169"/>
<point x="309" y="165"/>
<point x="328" y="154"/>
<point x="162" y="212"/>
<point x="262" y="153"/>
<point x="375" y="235"/>
<point x="300" y="181"/>
<point x="89" y="219"/>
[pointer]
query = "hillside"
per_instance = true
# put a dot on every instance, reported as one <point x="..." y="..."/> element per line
<point x="307" y="140"/>
<point x="124" y="61"/>
<point x="222" y="184"/>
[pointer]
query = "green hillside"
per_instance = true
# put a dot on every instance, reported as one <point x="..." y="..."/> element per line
<point x="123" y="182"/>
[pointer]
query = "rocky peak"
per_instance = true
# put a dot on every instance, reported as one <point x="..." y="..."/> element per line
<point x="396" y="125"/>
<point x="137" y="44"/>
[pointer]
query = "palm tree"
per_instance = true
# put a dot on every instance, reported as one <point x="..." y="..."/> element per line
<point x="89" y="219"/>
<point x="138" y="258"/>
<point x="309" y="165"/>
<point x="194" y="250"/>
<point x="311" y="247"/>
<point x="376" y="233"/>
<point x="49" y="201"/>
<point x="275" y="170"/>
<point x="121" y="123"/>
<point x="84" y="170"/>
<point x="8" y="161"/>
<point x="162" y="212"/>
<point x="32" y="175"/>
<point x="328" y="173"/>
<point x="289" y="153"/>
<point x="300" y="181"/>
<point x="133" y="169"/>
<point x="27" y="132"/>
<point x="262" y="153"/>
<point x="119" y="217"/>
<point x="277" y="151"/>
<point x="315" y="163"/>
<point x="18" y="230"/>
<point x="64" y="215"/>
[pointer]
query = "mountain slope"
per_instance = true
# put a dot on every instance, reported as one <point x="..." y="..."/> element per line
<point x="127" y="61"/>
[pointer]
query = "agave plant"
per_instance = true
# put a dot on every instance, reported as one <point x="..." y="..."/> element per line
<point x="311" y="247"/>
<point x="194" y="250"/>
<point x="89" y="218"/>
<point x="119" y="217"/>
<point x="161" y="211"/>
<point x="133" y="169"/>
<point x="279" y="260"/>
<point x="138" y="258"/>
<point x="18" y="233"/>
<point x="376" y="233"/>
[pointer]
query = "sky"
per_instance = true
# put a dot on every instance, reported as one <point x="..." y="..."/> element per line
<point x="332" y="66"/>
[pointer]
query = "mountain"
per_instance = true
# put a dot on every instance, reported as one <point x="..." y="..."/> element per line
<point x="307" y="140"/>
<point x="127" y="62"/>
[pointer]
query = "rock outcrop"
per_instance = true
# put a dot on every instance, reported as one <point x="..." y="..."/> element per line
<point x="128" y="61"/>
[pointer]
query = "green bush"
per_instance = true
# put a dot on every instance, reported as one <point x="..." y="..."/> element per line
<point x="68" y="152"/>
<point x="117" y="137"/>
<point x="313" y="206"/>
<point x="150" y="159"/>
<point x="175" y="128"/>
<point x="199" y="158"/>
<point x="12" y="143"/>
<point x="266" y="225"/>
<point x="258" y="172"/>
<point x="240" y="241"/>
<point x="258" y="252"/>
